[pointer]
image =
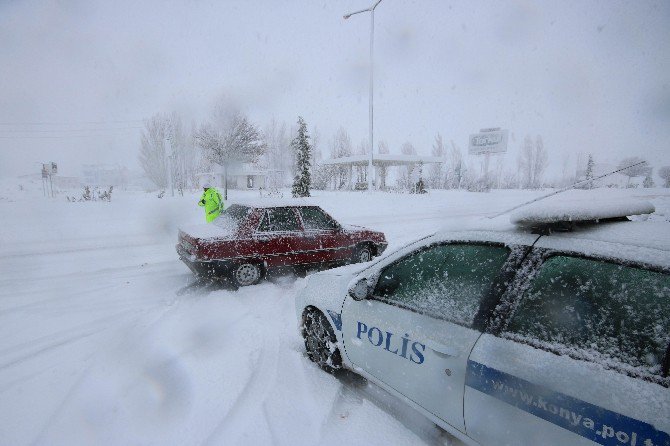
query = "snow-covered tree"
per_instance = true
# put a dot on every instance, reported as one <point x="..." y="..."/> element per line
<point x="664" y="173"/>
<point x="406" y="180"/>
<point x="382" y="169"/>
<point x="184" y="156"/>
<point x="303" y="152"/>
<point x="532" y="162"/>
<point x="230" y="140"/>
<point x="153" y="156"/>
<point x="648" y="179"/>
<point x="589" y="173"/>
<point x="278" y="151"/>
<point x="341" y="147"/>
<point x="362" y="171"/>
<point x="634" y="167"/>
<point x="436" y="171"/>
<point x="456" y="170"/>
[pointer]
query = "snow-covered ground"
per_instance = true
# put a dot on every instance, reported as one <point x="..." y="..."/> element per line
<point x="106" y="337"/>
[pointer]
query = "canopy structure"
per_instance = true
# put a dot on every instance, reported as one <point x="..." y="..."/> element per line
<point x="383" y="159"/>
<point x="379" y="161"/>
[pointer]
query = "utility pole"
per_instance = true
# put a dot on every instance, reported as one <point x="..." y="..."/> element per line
<point x="170" y="158"/>
<point x="371" y="10"/>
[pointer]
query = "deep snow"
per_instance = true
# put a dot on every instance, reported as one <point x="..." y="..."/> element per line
<point x="106" y="337"/>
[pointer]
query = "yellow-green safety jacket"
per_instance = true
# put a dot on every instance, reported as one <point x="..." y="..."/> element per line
<point x="213" y="202"/>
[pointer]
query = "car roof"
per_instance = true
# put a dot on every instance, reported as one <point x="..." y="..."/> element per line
<point x="645" y="242"/>
<point x="273" y="203"/>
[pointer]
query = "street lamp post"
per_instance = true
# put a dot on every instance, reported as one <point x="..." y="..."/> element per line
<point x="372" y="38"/>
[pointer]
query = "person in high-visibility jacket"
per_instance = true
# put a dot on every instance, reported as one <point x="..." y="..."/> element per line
<point x="212" y="201"/>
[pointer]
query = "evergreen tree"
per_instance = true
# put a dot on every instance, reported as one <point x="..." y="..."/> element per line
<point x="664" y="173"/>
<point x="589" y="172"/>
<point x="648" y="179"/>
<point x="303" y="151"/>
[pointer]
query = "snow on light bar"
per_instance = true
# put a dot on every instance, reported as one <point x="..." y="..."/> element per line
<point x="578" y="210"/>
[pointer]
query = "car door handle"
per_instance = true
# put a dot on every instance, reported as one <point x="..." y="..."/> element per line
<point x="442" y="349"/>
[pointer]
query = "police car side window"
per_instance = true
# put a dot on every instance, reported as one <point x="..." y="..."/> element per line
<point x="445" y="281"/>
<point x="597" y="310"/>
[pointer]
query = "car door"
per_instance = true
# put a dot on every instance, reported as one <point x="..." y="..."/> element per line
<point x="416" y="331"/>
<point x="581" y="358"/>
<point x="324" y="240"/>
<point x="278" y="236"/>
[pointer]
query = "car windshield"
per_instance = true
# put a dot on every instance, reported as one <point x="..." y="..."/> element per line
<point x="231" y="218"/>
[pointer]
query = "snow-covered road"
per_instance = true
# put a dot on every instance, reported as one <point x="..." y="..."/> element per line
<point x="106" y="338"/>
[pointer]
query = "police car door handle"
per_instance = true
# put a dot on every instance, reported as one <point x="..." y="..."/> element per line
<point x="441" y="349"/>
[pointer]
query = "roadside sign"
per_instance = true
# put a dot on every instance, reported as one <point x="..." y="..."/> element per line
<point x="50" y="168"/>
<point x="492" y="140"/>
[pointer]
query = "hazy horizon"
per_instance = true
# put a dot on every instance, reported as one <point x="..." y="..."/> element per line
<point x="79" y="77"/>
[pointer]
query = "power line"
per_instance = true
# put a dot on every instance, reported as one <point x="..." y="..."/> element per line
<point x="90" y="135"/>
<point x="68" y="130"/>
<point x="130" y="121"/>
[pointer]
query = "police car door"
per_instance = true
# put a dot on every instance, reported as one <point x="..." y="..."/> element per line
<point x="579" y="359"/>
<point x="415" y="333"/>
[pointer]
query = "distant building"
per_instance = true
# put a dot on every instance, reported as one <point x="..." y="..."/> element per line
<point x="242" y="176"/>
<point x="360" y="162"/>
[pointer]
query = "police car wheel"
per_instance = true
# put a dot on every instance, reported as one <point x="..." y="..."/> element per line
<point x="362" y="254"/>
<point x="321" y="343"/>
<point x="247" y="274"/>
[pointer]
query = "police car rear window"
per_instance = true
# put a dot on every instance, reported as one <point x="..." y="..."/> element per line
<point x="617" y="312"/>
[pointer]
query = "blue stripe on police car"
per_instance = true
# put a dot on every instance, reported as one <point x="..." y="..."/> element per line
<point x="587" y="420"/>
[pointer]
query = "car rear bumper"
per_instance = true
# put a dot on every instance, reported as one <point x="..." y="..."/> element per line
<point x="205" y="268"/>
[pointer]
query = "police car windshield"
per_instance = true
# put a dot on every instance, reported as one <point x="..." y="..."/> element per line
<point x="232" y="216"/>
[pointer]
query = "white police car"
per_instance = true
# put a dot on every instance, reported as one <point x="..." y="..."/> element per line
<point x="517" y="337"/>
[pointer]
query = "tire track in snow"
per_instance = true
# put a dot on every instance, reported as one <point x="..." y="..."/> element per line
<point x="64" y="340"/>
<point x="250" y="400"/>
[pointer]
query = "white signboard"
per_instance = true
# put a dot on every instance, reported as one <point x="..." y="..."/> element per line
<point x="488" y="141"/>
<point x="50" y="168"/>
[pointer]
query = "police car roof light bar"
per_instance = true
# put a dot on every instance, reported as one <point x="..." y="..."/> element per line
<point x="572" y="186"/>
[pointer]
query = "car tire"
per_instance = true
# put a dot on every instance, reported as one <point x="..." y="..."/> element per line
<point x="245" y="274"/>
<point x="320" y="341"/>
<point x="362" y="254"/>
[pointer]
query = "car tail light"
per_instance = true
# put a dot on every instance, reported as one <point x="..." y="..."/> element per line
<point x="188" y="246"/>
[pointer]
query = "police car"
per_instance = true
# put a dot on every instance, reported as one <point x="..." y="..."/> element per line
<point x="556" y="332"/>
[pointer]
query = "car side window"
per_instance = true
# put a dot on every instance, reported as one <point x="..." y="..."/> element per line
<point x="315" y="218"/>
<point x="446" y="281"/>
<point x="597" y="309"/>
<point x="279" y="219"/>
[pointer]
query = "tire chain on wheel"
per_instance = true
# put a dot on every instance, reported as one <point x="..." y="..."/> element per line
<point x="319" y="336"/>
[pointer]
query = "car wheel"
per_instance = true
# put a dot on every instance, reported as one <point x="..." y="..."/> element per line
<point x="362" y="254"/>
<point x="246" y="274"/>
<point x="320" y="342"/>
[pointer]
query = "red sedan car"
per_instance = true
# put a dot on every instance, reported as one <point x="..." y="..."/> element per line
<point x="245" y="241"/>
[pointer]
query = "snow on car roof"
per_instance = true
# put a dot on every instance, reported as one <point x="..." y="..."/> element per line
<point x="565" y="209"/>
<point x="637" y="241"/>
<point x="273" y="202"/>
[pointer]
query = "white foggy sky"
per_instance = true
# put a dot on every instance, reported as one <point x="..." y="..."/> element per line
<point x="589" y="76"/>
